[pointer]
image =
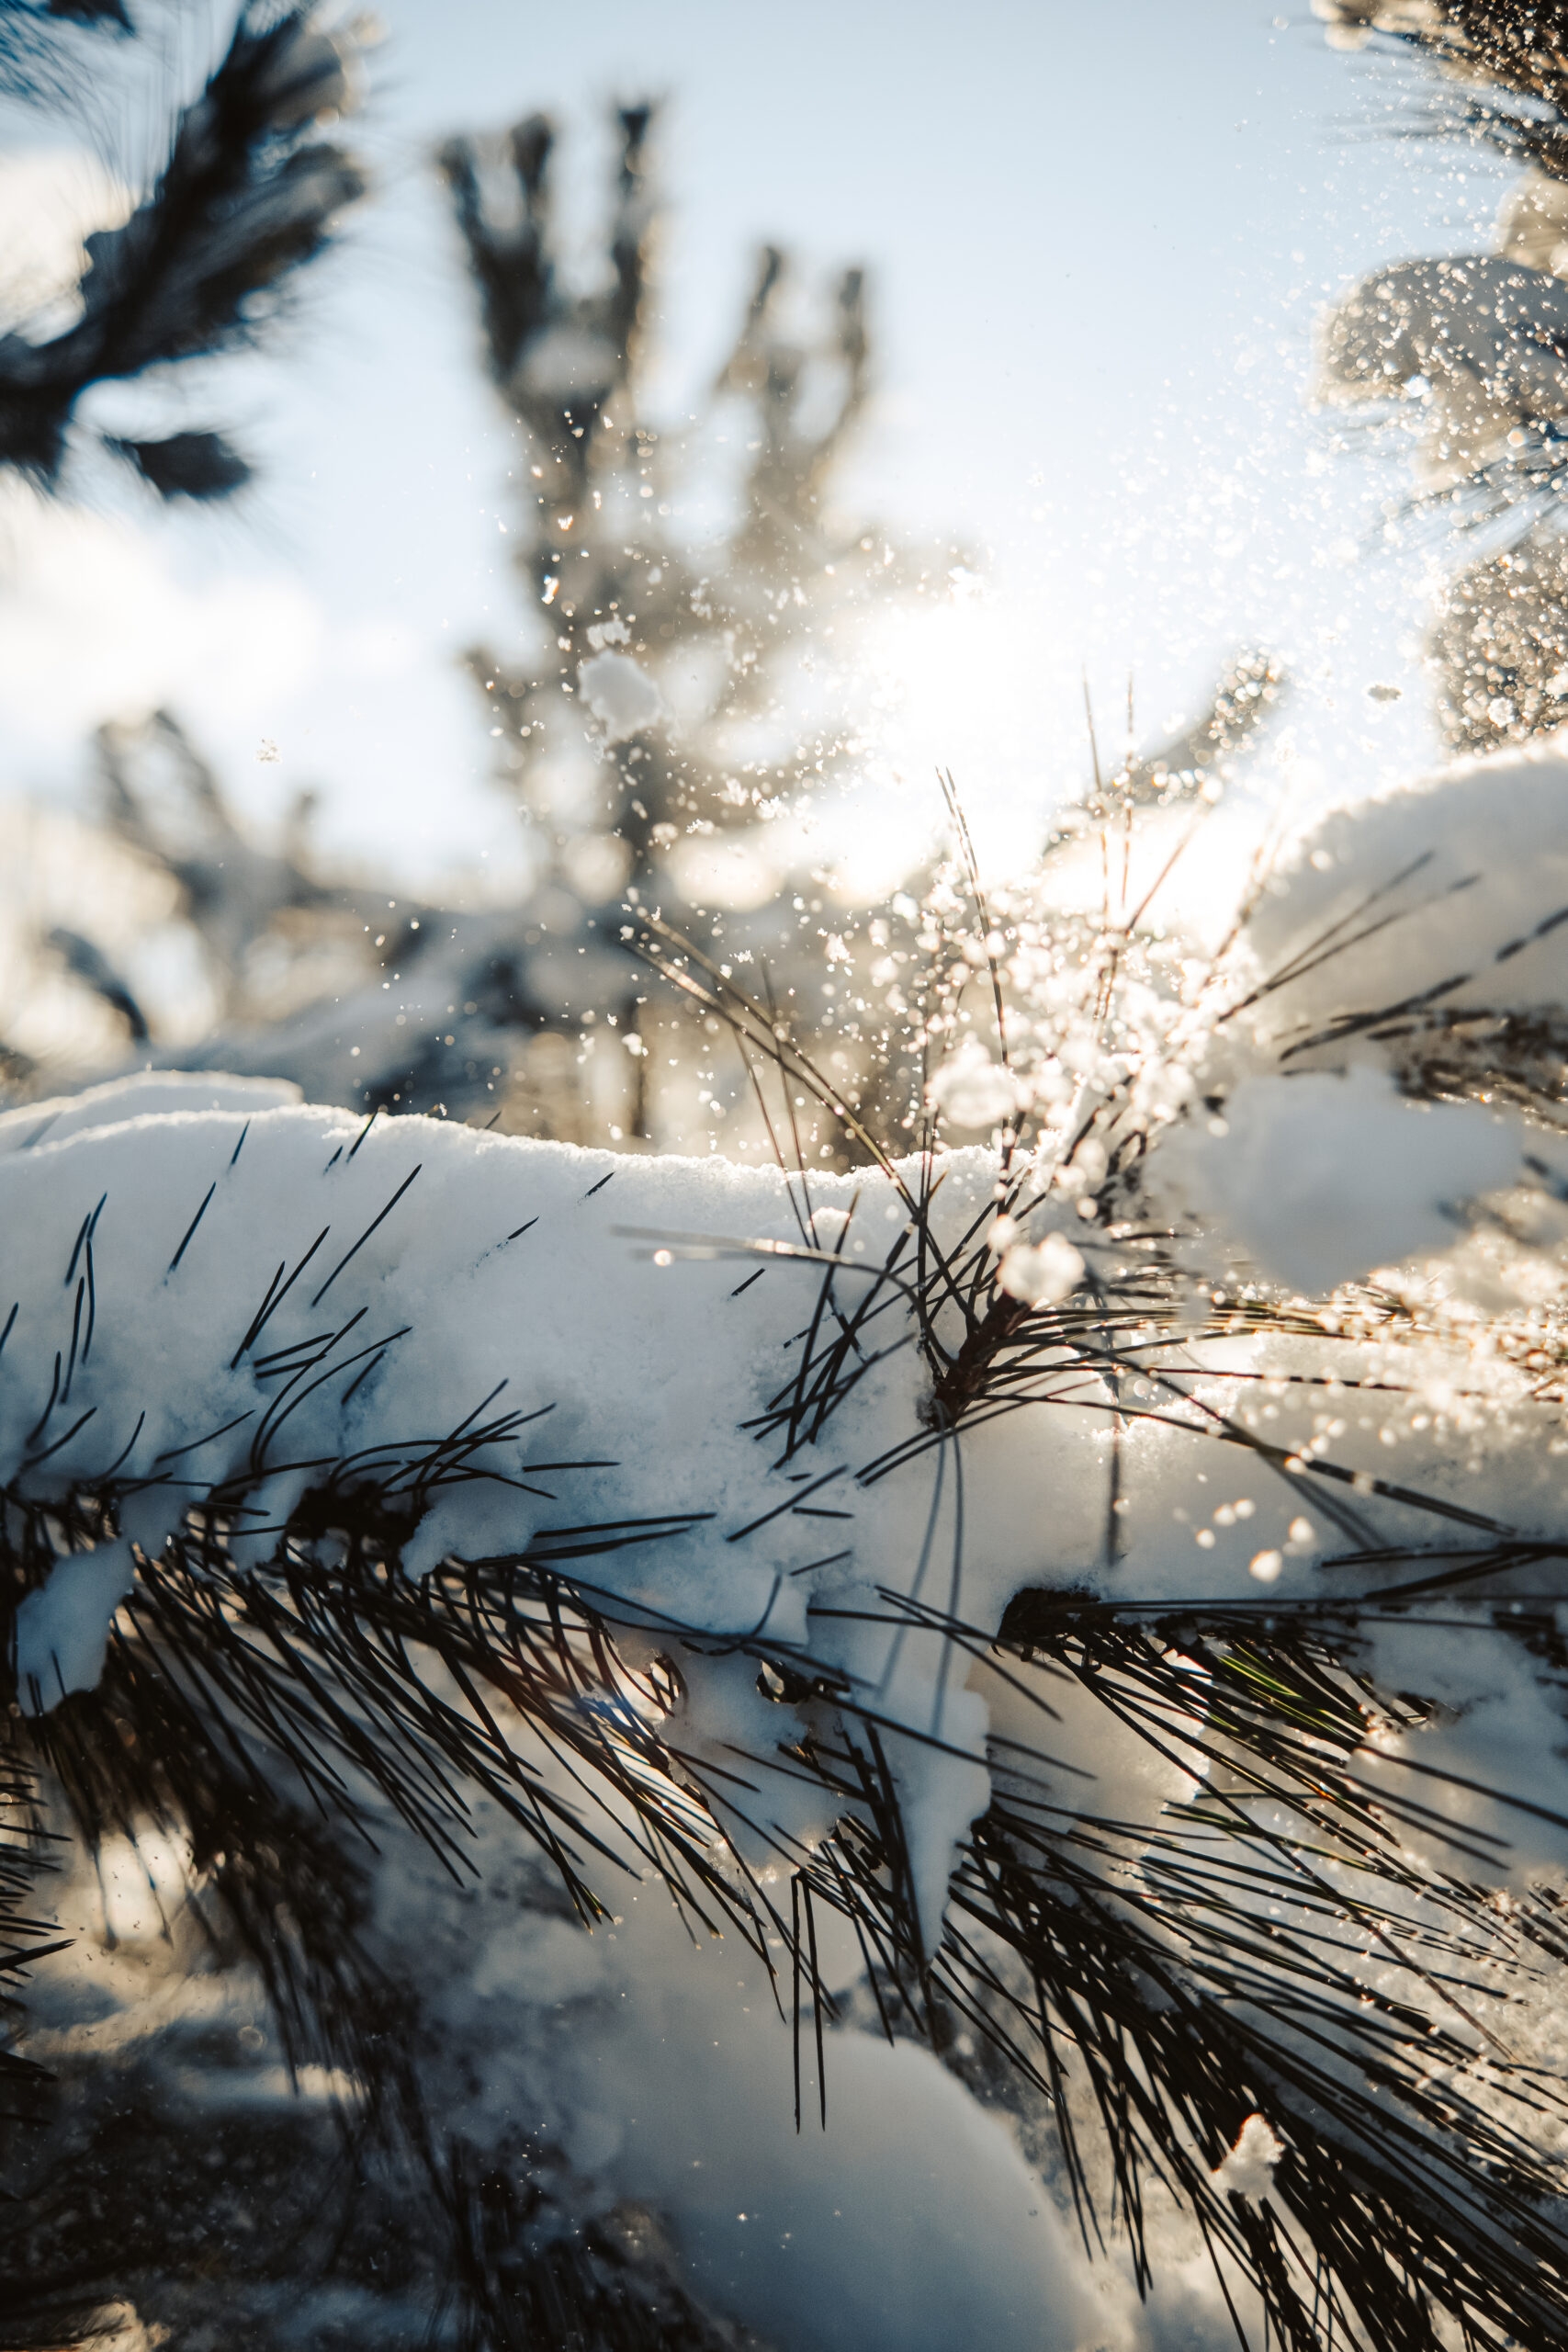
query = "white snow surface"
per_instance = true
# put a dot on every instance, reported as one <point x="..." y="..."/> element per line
<point x="1497" y="1731"/>
<point x="140" y="1095"/>
<point x="912" y="2223"/>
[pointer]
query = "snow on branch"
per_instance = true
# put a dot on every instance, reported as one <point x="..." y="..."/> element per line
<point x="753" y="1527"/>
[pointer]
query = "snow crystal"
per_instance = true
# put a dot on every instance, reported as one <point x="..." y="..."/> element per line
<point x="1085" y="1173"/>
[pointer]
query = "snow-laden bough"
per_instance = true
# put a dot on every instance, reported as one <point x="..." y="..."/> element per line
<point x="1127" y="1644"/>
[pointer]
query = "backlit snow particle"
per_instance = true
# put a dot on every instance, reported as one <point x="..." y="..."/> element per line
<point x="1248" y="2170"/>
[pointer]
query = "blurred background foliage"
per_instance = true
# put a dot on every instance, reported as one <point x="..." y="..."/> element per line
<point x="664" y="710"/>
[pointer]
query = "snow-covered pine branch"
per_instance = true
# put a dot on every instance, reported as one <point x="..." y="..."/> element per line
<point x="244" y="199"/>
<point x="981" y="1547"/>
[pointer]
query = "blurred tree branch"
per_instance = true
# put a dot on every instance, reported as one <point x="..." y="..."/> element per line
<point x="248" y="194"/>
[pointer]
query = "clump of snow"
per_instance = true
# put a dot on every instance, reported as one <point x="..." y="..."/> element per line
<point x="620" y="694"/>
<point x="1324" y="1178"/>
<point x="1085" y="1173"/>
<point x="62" y="1629"/>
<point x="924" y="2228"/>
<point x="1248" y="2170"/>
<point x="1440" y="900"/>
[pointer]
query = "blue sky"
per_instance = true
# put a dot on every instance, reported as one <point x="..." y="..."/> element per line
<point x="1098" y="238"/>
